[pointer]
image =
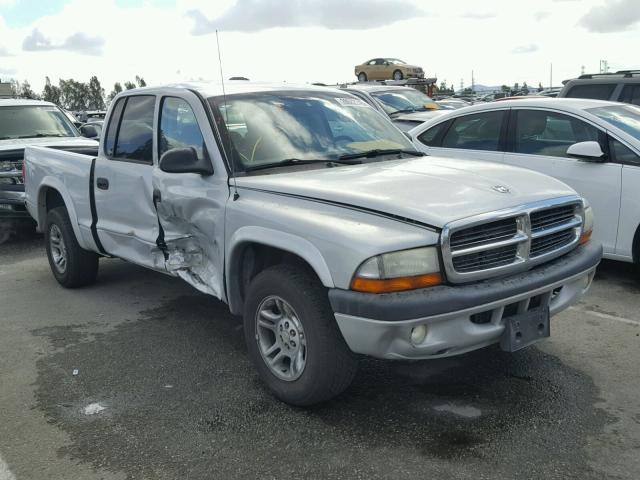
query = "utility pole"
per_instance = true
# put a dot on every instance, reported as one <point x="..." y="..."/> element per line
<point x="551" y="76"/>
<point x="582" y="70"/>
<point x="604" y="66"/>
<point x="473" y="82"/>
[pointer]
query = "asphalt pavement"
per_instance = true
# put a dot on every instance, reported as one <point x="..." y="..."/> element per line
<point x="142" y="377"/>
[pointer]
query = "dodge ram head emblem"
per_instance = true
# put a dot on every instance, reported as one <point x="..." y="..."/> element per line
<point x="500" y="189"/>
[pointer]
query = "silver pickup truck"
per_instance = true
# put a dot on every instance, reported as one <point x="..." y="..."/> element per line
<point x="313" y="217"/>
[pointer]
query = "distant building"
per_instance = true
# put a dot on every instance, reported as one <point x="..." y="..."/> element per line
<point x="6" y="90"/>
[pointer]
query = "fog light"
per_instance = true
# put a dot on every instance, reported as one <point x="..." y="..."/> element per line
<point x="418" y="334"/>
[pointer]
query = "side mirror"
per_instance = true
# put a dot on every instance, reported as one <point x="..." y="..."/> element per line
<point x="586" y="151"/>
<point x="184" y="160"/>
<point x="89" y="131"/>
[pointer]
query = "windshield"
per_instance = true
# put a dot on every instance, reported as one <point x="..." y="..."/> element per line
<point x="271" y="127"/>
<point x="34" y="121"/>
<point x="625" y="117"/>
<point x="403" y="99"/>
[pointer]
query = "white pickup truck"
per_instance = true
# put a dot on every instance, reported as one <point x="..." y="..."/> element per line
<point x="311" y="215"/>
<point x="22" y="123"/>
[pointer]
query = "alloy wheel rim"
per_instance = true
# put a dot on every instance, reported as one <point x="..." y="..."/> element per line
<point x="281" y="338"/>
<point x="58" y="249"/>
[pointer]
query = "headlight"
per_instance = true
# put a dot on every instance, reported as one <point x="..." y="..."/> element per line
<point x="587" y="228"/>
<point x="396" y="271"/>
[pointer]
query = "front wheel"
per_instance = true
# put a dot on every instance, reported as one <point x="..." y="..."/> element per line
<point x="293" y="339"/>
<point x="362" y="77"/>
<point x="397" y="75"/>
<point x="71" y="265"/>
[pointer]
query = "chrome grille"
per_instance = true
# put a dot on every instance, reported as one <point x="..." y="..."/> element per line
<point x="11" y="169"/>
<point x="510" y="240"/>
<point x="487" y="233"/>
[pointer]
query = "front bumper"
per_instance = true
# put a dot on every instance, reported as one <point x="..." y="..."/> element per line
<point x="459" y="318"/>
<point x="12" y="204"/>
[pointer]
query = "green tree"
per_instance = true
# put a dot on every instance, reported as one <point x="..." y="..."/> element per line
<point x="525" y="88"/>
<point x="129" y="85"/>
<point x="540" y="87"/>
<point x="117" y="88"/>
<point x="74" y="95"/>
<point x="51" y="93"/>
<point x="96" y="94"/>
<point x="26" y="92"/>
<point x="140" y="81"/>
<point x="516" y="87"/>
<point x="505" y="88"/>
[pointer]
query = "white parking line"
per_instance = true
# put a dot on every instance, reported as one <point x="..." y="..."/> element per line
<point x="606" y="316"/>
<point x="5" y="473"/>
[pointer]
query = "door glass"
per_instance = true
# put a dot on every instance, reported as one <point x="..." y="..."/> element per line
<point x="550" y="134"/>
<point x="114" y="120"/>
<point x="622" y="153"/>
<point x="430" y="137"/>
<point x="179" y="127"/>
<point x="631" y="94"/>
<point x="480" y="131"/>
<point x="135" y="136"/>
<point x="595" y="91"/>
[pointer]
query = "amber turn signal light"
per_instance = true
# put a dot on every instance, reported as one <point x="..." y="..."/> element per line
<point x="585" y="237"/>
<point x="388" y="285"/>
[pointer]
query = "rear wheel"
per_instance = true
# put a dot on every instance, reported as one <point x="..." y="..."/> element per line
<point x="397" y="75"/>
<point x="362" y="77"/>
<point x="293" y="339"/>
<point x="71" y="265"/>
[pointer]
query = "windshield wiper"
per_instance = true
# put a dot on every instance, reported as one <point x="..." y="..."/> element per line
<point x="409" y="110"/>
<point x="288" y="162"/>
<point x="380" y="152"/>
<point x="42" y="135"/>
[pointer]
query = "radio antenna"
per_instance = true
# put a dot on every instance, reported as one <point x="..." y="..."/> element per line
<point x="236" y="195"/>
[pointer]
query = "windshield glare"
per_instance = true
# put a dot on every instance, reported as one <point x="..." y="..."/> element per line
<point x="625" y="117"/>
<point x="269" y="127"/>
<point x="402" y="99"/>
<point x="34" y="121"/>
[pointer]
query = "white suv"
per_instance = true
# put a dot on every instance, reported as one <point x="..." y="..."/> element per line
<point x="593" y="146"/>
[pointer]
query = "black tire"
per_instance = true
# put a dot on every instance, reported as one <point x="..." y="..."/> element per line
<point x="399" y="74"/>
<point x="362" y="77"/>
<point x="81" y="266"/>
<point x="330" y="365"/>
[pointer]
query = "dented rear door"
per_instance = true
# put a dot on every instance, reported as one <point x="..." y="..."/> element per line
<point x="190" y="206"/>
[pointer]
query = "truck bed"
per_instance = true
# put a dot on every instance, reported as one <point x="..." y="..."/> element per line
<point x="67" y="172"/>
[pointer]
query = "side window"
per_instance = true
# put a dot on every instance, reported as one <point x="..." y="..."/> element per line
<point x="631" y="94"/>
<point x="480" y="131"/>
<point x="380" y="61"/>
<point x="595" y="91"/>
<point x="431" y="137"/>
<point x="622" y="153"/>
<point x="372" y="62"/>
<point x="179" y="127"/>
<point x="114" y="121"/>
<point x="135" y="136"/>
<point x="550" y="134"/>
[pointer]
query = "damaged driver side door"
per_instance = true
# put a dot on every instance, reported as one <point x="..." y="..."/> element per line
<point x="189" y="195"/>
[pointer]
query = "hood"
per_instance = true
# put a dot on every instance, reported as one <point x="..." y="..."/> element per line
<point x="18" y="143"/>
<point x="430" y="190"/>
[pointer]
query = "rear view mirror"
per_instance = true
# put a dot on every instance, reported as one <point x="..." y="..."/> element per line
<point x="586" y="151"/>
<point x="89" y="131"/>
<point x="185" y="160"/>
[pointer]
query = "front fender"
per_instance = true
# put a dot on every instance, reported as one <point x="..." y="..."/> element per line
<point x="277" y="239"/>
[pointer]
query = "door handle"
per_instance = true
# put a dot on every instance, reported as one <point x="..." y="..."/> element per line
<point x="102" y="183"/>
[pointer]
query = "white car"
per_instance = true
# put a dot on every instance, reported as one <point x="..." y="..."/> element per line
<point x="591" y="145"/>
